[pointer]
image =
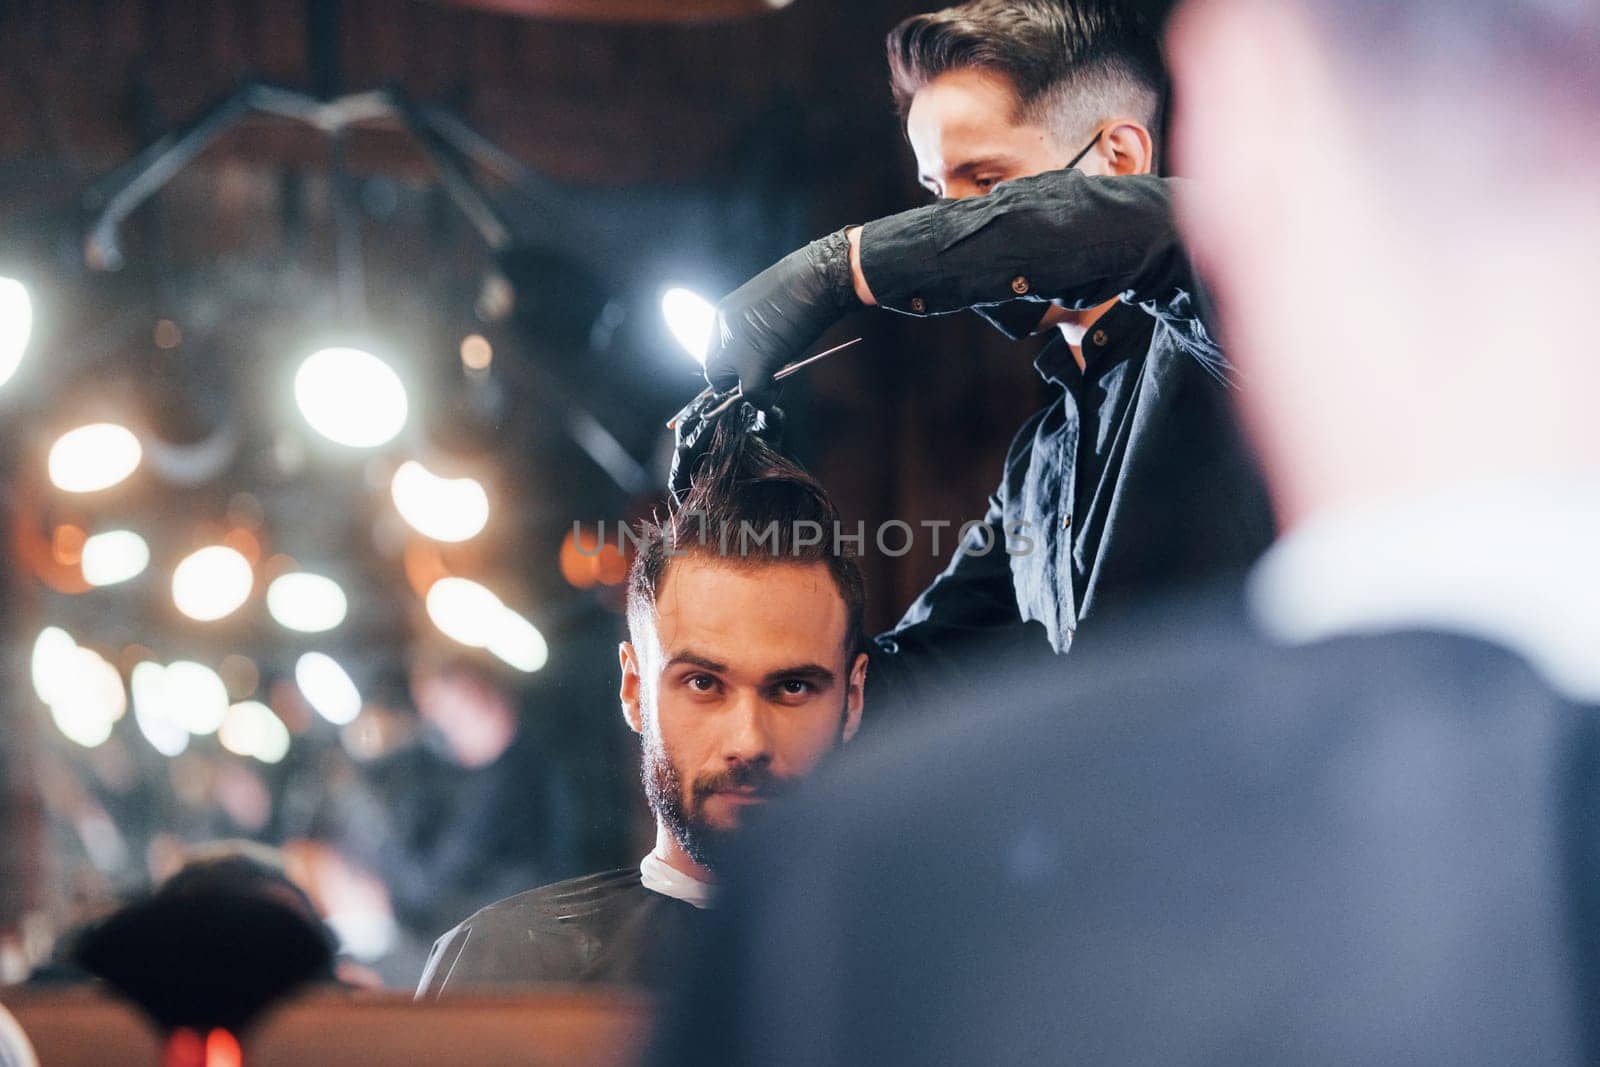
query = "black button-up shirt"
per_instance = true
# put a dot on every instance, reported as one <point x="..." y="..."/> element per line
<point x="1135" y="480"/>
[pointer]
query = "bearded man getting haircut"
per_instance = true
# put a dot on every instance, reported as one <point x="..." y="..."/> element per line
<point x="743" y="670"/>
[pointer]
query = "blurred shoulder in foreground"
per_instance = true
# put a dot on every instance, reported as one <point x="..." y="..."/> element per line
<point x="1367" y="849"/>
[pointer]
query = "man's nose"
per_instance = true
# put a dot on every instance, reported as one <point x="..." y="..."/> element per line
<point x="749" y="737"/>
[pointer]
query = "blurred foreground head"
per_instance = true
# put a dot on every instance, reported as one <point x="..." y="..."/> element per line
<point x="744" y="665"/>
<point x="1395" y="203"/>
<point x="224" y="938"/>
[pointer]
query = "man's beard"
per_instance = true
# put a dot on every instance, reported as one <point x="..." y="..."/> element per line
<point x="706" y="844"/>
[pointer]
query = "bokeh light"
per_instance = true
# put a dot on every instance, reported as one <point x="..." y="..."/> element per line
<point x="81" y="688"/>
<point x="463" y="610"/>
<point x="66" y="544"/>
<point x="51" y="661"/>
<point x="113" y="556"/>
<point x="473" y="615"/>
<point x="476" y="352"/>
<point x="251" y="729"/>
<point x="16" y="326"/>
<point x="196" y="695"/>
<point x="691" y="318"/>
<point x="351" y="397"/>
<point x="309" y="603"/>
<point x="166" y="334"/>
<point x="586" y="562"/>
<point x="93" y="457"/>
<point x="212" y="583"/>
<point x="239" y="674"/>
<point x="327" y="688"/>
<point x="518" y="642"/>
<point x="153" y="711"/>
<point x="445" y="509"/>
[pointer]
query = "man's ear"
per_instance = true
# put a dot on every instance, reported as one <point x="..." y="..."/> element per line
<point x="628" y="692"/>
<point x="1128" y="148"/>
<point x="853" y="696"/>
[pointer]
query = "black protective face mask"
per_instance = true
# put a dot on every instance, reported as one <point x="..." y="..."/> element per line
<point x="1017" y="319"/>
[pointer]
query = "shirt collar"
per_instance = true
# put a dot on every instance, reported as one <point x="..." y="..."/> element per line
<point x="660" y="877"/>
<point x="1121" y="333"/>
<point x="1515" y="564"/>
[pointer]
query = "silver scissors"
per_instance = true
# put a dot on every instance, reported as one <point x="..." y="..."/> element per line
<point x="738" y="391"/>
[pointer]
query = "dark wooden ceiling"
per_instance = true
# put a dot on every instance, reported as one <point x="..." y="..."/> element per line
<point x="606" y="102"/>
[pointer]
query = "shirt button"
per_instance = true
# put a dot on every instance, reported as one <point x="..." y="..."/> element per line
<point x="1100" y="338"/>
<point x="918" y="305"/>
<point x="1019" y="285"/>
<point x="1066" y="522"/>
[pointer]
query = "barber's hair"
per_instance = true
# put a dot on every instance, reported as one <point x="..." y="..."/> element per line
<point x="1072" y="63"/>
<point x="749" y="506"/>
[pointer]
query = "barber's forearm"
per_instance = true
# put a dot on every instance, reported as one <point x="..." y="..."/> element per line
<point x="1058" y="236"/>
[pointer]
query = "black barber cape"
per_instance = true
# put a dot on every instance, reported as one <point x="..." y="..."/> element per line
<point x="602" y="928"/>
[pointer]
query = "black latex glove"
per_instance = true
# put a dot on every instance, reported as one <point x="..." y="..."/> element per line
<point x="692" y="435"/>
<point x="774" y="317"/>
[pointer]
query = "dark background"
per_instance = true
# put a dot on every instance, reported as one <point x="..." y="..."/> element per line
<point x="644" y="155"/>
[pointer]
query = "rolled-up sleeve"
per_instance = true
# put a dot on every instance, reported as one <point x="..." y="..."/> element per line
<point x="1062" y="236"/>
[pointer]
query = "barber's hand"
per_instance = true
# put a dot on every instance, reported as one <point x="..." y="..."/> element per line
<point x="775" y="316"/>
<point x="692" y="434"/>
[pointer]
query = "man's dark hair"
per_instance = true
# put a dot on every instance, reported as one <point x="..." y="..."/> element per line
<point x="750" y="506"/>
<point x="1072" y="63"/>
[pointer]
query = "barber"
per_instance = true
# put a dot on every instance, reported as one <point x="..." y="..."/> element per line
<point x="1032" y="120"/>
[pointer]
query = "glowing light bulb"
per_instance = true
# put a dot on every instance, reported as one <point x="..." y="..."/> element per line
<point x="327" y="688"/>
<point x="114" y="556"/>
<point x="351" y="397"/>
<point x="691" y="318"/>
<point x="94" y="457"/>
<point x="309" y="603"/>
<point x="445" y="509"/>
<point x="212" y="583"/>
<point x="16" y="326"/>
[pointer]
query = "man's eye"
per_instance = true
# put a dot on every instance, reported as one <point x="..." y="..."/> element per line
<point x="701" y="683"/>
<point x="794" y="687"/>
<point x="986" y="183"/>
